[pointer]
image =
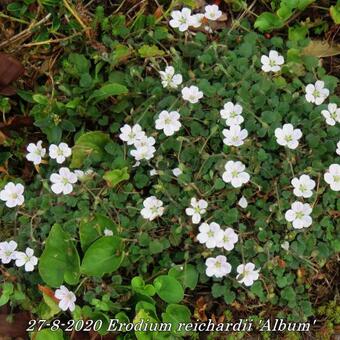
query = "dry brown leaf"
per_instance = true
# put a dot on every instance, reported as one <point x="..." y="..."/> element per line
<point x="321" y="49"/>
<point x="200" y="308"/>
<point x="3" y="137"/>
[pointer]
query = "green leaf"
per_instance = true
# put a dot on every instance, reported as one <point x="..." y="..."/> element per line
<point x="40" y="99"/>
<point x="108" y="90"/>
<point x="120" y="53"/>
<point x="113" y="177"/>
<point x="80" y="63"/>
<point x="89" y="144"/>
<point x="335" y="13"/>
<point x="48" y="308"/>
<point x="147" y="51"/>
<point x="104" y="256"/>
<point x="138" y="285"/>
<point x="59" y="261"/>
<point x="288" y="293"/>
<point x="187" y="275"/>
<point x="155" y="247"/>
<point x="168" y="289"/>
<point x="143" y="315"/>
<point x="48" y="334"/>
<point x="229" y="297"/>
<point x="267" y="22"/>
<point x="218" y="290"/>
<point x="176" y="314"/>
<point x="302" y="4"/>
<point x="7" y="290"/>
<point x="93" y="228"/>
<point x="297" y="33"/>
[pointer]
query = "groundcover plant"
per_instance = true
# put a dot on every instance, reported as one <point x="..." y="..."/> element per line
<point x="187" y="173"/>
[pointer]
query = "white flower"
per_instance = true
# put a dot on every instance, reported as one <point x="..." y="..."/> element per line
<point x="66" y="297"/>
<point x="26" y="259"/>
<point x="108" y="232"/>
<point x="285" y="245"/>
<point x="12" y="194"/>
<point x="35" y="152"/>
<point x="7" y="251"/>
<point x="153" y="172"/>
<point x="177" y="172"/>
<point x="196" y="20"/>
<point x="169" y="78"/>
<point x="235" y="174"/>
<point x="59" y="152"/>
<point x="232" y="113"/>
<point x="210" y="234"/>
<point x="247" y="273"/>
<point x="131" y="135"/>
<point x="208" y="29"/>
<point x="168" y="122"/>
<point x="144" y="148"/>
<point x="332" y="177"/>
<point x="228" y="240"/>
<point x="338" y="148"/>
<point x="212" y="12"/>
<point x="234" y="135"/>
<point x="145" y="142"/>
<point x="217" y="266"/>
<point x="144" y="152"/>
<point x="332" y="115"/>
<point x="197" y="209"/>
<point x="153" y="208"/>
<point x="288" y="136"/>
<point x="62" y="182"/>
<point x="192" y="94"/>
<point x="298" y="214"/>
<point x="243" y="203"/>
<point x="272" y="62"/>
<point x="316" y="93"/>
<point x="181" y="19"/>
<point x="303" y="186"/>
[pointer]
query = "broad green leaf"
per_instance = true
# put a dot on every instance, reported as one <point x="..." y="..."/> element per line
<point x="187" y="275"/>
<point x="113" y="177"/>
<point x="80" y="63"/>
<point x="104" y="256"/>
<point x="7" y="290"/>
<point x="168" y="289"/>
<point x="89" y="144"/>
<point x="147" y="51"/>
<point x="108" y="90"/>
<point x="48" y="334"/>
<point x="145" y="315"/>
<point x="176" y="314"/>
<point x="267" y="22"/>
<point x="297" y="33"/>
<point x="92" y="228"/>
<point x="59" y="261"/>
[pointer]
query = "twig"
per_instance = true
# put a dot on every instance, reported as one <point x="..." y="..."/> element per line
<point x="75" y="14"/>
<point x="27" y="32"/>
<point x="52" y="41"/>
